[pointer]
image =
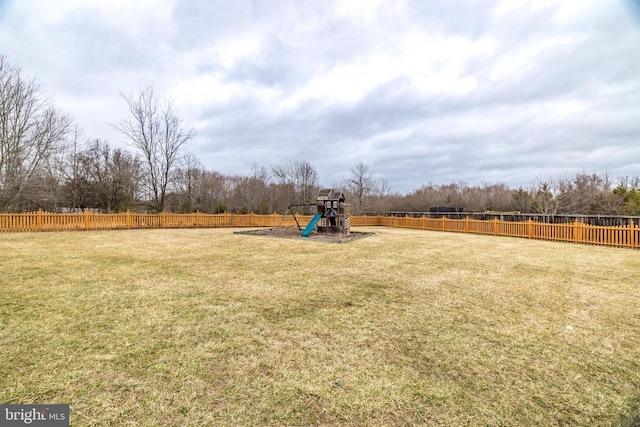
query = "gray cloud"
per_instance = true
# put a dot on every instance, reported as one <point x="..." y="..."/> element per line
<point x="493" y="91"/>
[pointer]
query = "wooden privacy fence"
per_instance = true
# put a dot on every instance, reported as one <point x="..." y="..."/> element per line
<point x="617" y="236"/>
<point x="47" y="221"/>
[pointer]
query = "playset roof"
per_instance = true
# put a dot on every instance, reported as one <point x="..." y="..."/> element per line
<point x="330" y="194"/>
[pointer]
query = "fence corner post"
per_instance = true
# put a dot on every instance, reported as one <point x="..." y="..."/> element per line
<point x="529" y="228"/>
<point x="632" y="234"/>
<point x="39" y="224"/>
<point x="495" y="226"/>
<point x="577" y="238"/>
<point x="466" y="224"/>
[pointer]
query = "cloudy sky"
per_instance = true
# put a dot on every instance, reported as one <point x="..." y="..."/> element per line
<point x="422" y="91"/>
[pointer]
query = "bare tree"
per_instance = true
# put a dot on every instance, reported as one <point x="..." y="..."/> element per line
<point x="544" y="198"/>
<point x="297" y="183"/>
<point x="100" y="178"/>
<point x="31" y="130"/>
<point x="249" y="194"/>
<point x="360" y="184"/>
<point x="65" y="168"/>
<point x="629" y="182"/>
<point x="281" y="174"/>
<point x="215" y="191"/>
<point x="306" y="181"/>
<point x="283" y="190"/>
<point x="112" y="174"/>
<point x="381" y="187"/>
<point x="579" y="194"/>
<point x="380" y="192"/>
<point x="497" y="197"/>
<point x="197" y="189"/>
<point x="155" y="130"/>
<point x="188" y="178"/>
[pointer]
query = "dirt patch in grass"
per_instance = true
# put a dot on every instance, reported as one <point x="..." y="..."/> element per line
<point x="205" y="327"/>
<point x="294" y="233"/>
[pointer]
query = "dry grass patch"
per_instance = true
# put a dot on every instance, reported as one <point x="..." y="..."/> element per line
<point x="203" y="327"/>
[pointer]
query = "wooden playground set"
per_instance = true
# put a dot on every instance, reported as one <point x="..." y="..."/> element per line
<point x="331" y="222"/>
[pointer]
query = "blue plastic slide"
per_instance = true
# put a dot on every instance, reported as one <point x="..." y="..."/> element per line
<point x="312" y="225"/>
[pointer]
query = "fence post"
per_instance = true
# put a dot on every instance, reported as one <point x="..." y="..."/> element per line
<point x="495" y="226"/>
<point x="87" y="221"/>
<point x="577" y="238"/>
<point x="128" y="219"/>
<point x="466" y="224"/>
<point x="442" y="223"/>
<point x="632" y="234"/>
<point x="529" y="228"/>
<point x="39" y="224"/>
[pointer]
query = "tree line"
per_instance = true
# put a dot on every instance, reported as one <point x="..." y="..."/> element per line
<point x="45" y="163"/>
<point x="580" y="194"/>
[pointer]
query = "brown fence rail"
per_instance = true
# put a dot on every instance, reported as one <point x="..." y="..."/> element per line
<point x="625" y="236"/>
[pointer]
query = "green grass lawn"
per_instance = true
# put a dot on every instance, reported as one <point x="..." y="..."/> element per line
<point x="204" y="327"/>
